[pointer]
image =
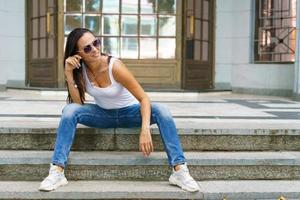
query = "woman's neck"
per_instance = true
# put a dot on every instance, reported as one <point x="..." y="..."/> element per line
<point x="98" y="65"/>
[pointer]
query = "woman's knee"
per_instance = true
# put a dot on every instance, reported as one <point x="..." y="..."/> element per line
<point x="70" y="110"/>
<point x="161" y="110"/>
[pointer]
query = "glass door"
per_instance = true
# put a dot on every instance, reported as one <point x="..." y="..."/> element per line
<point x="198" y="44"/>
<point x="41" y="43"/>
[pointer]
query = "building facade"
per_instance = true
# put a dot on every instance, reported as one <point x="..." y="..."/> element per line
<point x="248" y="46"/>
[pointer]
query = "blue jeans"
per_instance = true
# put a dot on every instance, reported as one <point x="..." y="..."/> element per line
<point x="94" y="116"/>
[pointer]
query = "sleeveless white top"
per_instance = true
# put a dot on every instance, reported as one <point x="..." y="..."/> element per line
<point x="113" y="96"/>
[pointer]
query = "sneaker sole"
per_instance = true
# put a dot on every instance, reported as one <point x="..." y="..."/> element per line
<point x="173" y="181"/>
<point x="63" y="182"/>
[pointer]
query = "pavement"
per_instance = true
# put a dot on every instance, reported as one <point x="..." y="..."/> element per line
<point x="24" y="108"/>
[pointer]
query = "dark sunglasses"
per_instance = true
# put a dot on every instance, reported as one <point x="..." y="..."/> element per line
<point x="88" y="48"/>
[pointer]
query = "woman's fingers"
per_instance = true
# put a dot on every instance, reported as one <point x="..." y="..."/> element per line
<point x="143" y="149"/>
<point x="73" y="61"/>
<point x="146" y="148"/>
<point x="151" y="146"/>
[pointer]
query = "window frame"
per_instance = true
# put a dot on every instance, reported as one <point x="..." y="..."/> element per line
<point x="139" y="14"/>
<point x="256" y="39"/>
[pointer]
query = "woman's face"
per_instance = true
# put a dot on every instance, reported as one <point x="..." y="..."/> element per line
<point x="89" y="47"/>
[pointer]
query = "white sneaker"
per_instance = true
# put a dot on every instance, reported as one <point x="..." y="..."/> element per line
<point x="183" y="179"/>
<point x="54" y="180"/>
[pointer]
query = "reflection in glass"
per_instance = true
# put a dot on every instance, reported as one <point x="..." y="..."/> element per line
<point x="111" y="46"/>
<point x="188" y="28"/>
<point x="129" y="25"/>
<point x="205" y="10"/>
<point x="42" y="8"/>
<point x="197" y="29"/>
<point x="35" y="27"/>
<point x="43" y="27"/>
<point x="35" y="8"/>
<point x="92" y="22"/>
<point x="92" y="5"/>
<point x="205" y="31"/>
<point x="198" y="10"/>
<point x="167" y="26"/>
<point x="197" y="50"/>
<point x="71" y="22"/>
<point x="148" y="6"/>
<point x="147" y="48"/>
<point x="166" y="6"/>
<point x="111" y="24"/>
<point x="130" y="6"/>
<point x="110" y="6"/>
<point x="205" y="51"/>
<point x="148" y="25"/>
<point x="129" y="48"/>
<point x="73" y="6"/>
<point x="35" y="49"/>
<point x="166" y="48"/>
<point x="190" y="4"/>
<point x="51" y="49"/>
<point x="42" y="48"/>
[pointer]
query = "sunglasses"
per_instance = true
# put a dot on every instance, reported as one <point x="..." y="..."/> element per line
<point x="88" y="48"/>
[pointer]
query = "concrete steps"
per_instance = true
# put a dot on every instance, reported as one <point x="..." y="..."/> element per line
<point x="239" y="138"/>
<point x="113" y="165"/>
<point x="237" y="147"/>
<point x="233" y="190"/>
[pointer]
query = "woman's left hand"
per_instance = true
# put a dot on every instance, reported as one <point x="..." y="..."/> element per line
<point x="146" y="145"/>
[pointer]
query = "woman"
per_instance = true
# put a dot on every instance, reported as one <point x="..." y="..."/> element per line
<point x="120" y="102"/>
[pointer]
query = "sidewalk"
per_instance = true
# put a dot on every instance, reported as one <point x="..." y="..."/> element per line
<point x="25" y="108"/>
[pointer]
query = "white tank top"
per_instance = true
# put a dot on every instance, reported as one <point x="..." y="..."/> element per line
<point x="113" y="96"/>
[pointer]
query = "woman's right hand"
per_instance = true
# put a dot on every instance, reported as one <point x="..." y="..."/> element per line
<point x="72" y="63"/>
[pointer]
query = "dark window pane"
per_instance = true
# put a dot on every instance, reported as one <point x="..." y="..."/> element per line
<point x="43" y="27"/>
<point x="205" y="51"/>
<point x="166" y="6"/>
<point x="197" y="50"/>
<point x="73" y="6"/>
<point x="35" y="49"/>
<point x="42" y="48"/>
<point x="71" y="22"/>
<point x="92" y="22"/>
<point x="35" y="28"/>
<point x="92" y="5"/>
<point x="51" y="49"/>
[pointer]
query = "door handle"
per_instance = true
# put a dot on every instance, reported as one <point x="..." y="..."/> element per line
<point x="48" y="25"/>
<point x="192" y="24"/>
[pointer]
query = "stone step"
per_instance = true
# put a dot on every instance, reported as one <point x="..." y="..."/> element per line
<point x="213" y="190"/>
<point x="34" y="165"/>
<point x="194" y="137"/>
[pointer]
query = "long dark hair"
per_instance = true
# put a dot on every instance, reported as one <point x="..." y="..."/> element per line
<point x="70" y="50"/>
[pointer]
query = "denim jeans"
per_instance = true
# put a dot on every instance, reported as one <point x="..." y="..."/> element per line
<point x="94" y="116"/>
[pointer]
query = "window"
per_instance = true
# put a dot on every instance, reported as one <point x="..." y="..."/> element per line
<point x="275" y="31"/>
<point x="132" y="29"/>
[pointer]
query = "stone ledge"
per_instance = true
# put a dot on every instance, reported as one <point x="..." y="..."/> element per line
<point x="235" y="190"/>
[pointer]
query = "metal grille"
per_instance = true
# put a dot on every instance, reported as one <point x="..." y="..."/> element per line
<point x="275" y="31"/>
